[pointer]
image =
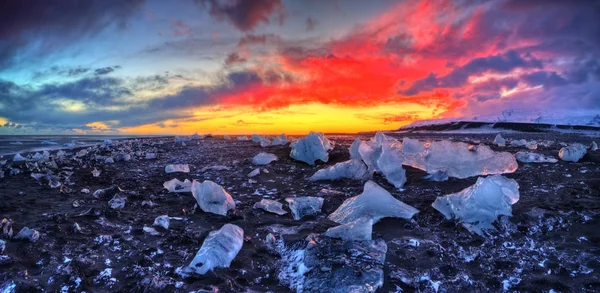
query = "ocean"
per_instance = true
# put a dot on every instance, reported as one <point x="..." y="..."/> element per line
<point x="12" y="144"/>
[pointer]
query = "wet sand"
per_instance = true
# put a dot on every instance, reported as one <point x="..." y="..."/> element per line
<point x="551" y="242"/>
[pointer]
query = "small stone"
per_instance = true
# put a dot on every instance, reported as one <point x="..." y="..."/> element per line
<point x="28" y="234"/>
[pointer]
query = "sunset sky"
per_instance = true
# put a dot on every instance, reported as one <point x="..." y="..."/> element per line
<point x="288" y="66"/>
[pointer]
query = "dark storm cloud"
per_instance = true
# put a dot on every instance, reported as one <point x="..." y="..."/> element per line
<point x="55" y="24"/>
<point x="104" y="70"/>
<point x="459" y="76"/>
<point x="245" y="15"/>
<point x="100" y="94"/>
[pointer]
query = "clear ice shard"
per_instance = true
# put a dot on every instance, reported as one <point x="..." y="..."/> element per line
<point x="256" y="138"/>
<point x="438" y="176"/>
<point x="264" y="159"/>
<point x="456" y="158"/>
<point x="172" y="168"/>
<point x="174" y="185"/>
<point x="212" y="198"/>
<point x="352" y="169"/>
<point x="280" y="140"/>
<point x="304" y="206"/>
<point x="218" y="250"/>
<point x="530" y="157"/>
<point x="19" y="158"/>
<point x="499" y="140"/>
<point x="354" y="154"/>
<point x="270" y="206"/>
<point x="311" y="148"/>
<point x="359" y="229"/>
<point x="572" y="153"/>
<point x="389" y="164"/>
<point x="593" y="146"/>
<point x="321" y="264"/>
<point x="162" y="221"/>
<point x="374" y="203"/>
<point x="479" y="205"/>
<point x="242" y="138"/>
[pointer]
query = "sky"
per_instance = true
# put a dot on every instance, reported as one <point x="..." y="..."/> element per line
<point x="289" y="66"/>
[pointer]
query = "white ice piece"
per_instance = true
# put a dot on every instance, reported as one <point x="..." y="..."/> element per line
<point x="212" y="198"/>
<point x="162" y="221"/>
<point x="280" y="140"/>
<point x="19" y="158"/>
<point x="226" y="137"/>
<point x="310" y="148"/>
<point x="172" y="168"/>
<point x="572" y="153"/>
<point x="359" y="229"/>
<point x="270" y="206"/>
<point x="304" y="206"/>
<point x="264" y="158"/>
<point x="354" y="154"/>
<point x="499" y="140"/>
<point x="479" y="205"/>
<point x="593" y="146"/>
<point x="254" y="172"/>
<point x="389" y="164"/>
<point x="456" y="158"/>
<point x="375" y="203"/>
<point x="174" y="185"/>
<point x="242" y="138"/>
<point x="264" y="142"/>
<point x="218" y="250"/>
<point x="352" y="169"/>
<point x="530" y="157"/>
<point x="256" y="138"/>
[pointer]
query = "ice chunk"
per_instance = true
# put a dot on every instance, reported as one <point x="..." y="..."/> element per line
<point x="150" y="156"/>
<point x="109" y="160"/>
<point x="226" y="137"/>
<point x="499" y="140"/>
<point x="360" y="229"/>
<point x="352" y="169"/>
<point x="254" y="172"/>
<point x="264" y="159"/>
<point x="172" y="168"/>
<point x="264" y="142"/>
<point x="438" y="176"/>
<point x="174" y="185"/>
<point x="19" y="158"/>
<point x="242" y="138"/>
<point x="532" y="145"/>
<point x="96" y="172"/>
<point x="280" y="140"/>
<point x="310" y="148"/>
<point x="518" y="142"/>
<point x="162" y="221"/>
<point x="593" y="146"/>
<point x="375" y="203"/>
<point x="456" y="158"/>
<point x="529" y="157"/>
<point x="15" y="143"/>
<point x="270" y="206"/>
<point x="389" y="164"/>
<point x="212" y="198"/>
<point x="107" y="192"/>
<point x="321" y="264"/>
<point x="480" y="204"/>
<point x="182" y="139"/>
<point x="28" y="234"/>
<point x="218" y="250"/>
<point x="572" y="153"/>
<point x="256" y="138"/>
<point x="354" y="154"/>
<point x="304" y="206"/>
<point x="117" y="202"/>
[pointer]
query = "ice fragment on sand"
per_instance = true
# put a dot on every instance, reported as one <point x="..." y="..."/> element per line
<point x="354" y="154"/>
<point x="151" y="231"/>
<point x="593" y="146"/>
<point x="109" y="160"/>
<point x="340" y="266"/>
<point x="117" y="202"/>
<point x="480" y="204"/>
<point x="256" y="138"/>
<point x="19" y="158"/>
<point x="529" y="157"/>
<point x="254" y="172"/>
<point x="310" y="148"/>
<point x="28" y="234"/>
<point x="389" y="164"/>
<point x="280" y="140"/>
<point x="212" y="198"/>
<point x="264" y="159"/>
<point x="499" y="140"/>
<point x="96" y="172"/>
<point x="172" y="168"/>
<point x="352" y="169"/>
<point x="226" y="137"/>
<point x="242" y="138"/>
<point x="304" y="206"/>
<point x="174" y="185"/>
<point x="270" y="206"/>
<point x="375" y="203"/>
<point x="107" y="192"/>
<point x="162" y="221"/>
<point x="360" y="229"/>
<point x="572" y="153"/>
<point x="150" y="156"/>
<point x="456" y="159"/>
<point x="218" y="250"/>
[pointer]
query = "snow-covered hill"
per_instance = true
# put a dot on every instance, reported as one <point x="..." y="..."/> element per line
<point x="519" y="116"/>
